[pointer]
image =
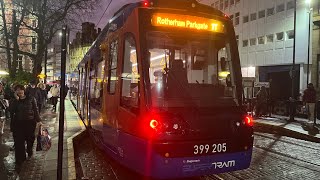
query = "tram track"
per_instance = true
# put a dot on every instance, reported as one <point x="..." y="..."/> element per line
<point x="286" y="141"/>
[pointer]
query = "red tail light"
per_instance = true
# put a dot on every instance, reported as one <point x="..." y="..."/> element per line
<point x="154" y="124"/>
<point x="248" y="120"/>
<point x="145" y="3"/>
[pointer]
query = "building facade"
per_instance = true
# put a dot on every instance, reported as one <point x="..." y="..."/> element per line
<point x="265" y="35"/>
<point x="27" y="38"/>
<point x="79" y="47"/>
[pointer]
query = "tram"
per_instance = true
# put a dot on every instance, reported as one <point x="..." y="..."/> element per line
<point x="161" y="90"/>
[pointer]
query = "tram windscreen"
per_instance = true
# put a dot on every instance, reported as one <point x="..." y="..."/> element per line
<point x="190" y="71"/>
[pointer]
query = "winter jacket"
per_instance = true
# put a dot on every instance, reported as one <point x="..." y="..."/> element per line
<point x="34" y="92"/>
<point x="55" y="91"/>
<point x="25" y="112"/>
<point x="309" y="95"/>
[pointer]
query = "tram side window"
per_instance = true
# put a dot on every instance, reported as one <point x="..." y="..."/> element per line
<point x="130" y="76"/>
<point x="112" y="70"/>
<point x="96" y="87"/>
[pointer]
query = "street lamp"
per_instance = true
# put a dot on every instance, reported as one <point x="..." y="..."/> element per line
<point x="308" y="2"/>
<point x="293" y="73"/>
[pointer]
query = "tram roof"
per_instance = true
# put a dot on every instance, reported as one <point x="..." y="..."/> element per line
<point x="122" y="14"/>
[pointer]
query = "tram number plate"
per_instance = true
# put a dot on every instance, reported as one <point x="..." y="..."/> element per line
<point x="209" y="148"/>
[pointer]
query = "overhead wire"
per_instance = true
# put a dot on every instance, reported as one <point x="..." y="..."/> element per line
<point x="104" y="12"/>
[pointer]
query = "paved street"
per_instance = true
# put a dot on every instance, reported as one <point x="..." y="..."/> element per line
<point x="280" y="158"/>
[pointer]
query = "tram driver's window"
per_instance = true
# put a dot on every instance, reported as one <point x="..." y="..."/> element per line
<point x="224" y="70"/>
<point x="130" y="76"/>
<point x="113" y="63"/>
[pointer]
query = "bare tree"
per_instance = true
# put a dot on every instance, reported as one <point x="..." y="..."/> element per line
<point x="44" y="18"/>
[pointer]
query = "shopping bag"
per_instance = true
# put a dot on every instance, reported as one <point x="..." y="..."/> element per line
<point x="39" y="137"/>
<point x="45" y="140"/>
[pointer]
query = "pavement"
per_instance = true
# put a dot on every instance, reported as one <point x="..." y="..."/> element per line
<point x="43" y="165"/>
<point x="300" y="128"/>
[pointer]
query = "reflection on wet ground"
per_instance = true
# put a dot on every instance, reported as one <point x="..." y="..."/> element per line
<point x="7" y="170"/>
<point x="7" y="160"/>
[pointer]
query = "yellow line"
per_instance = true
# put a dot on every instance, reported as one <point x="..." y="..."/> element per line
<point x="81" y="123"/>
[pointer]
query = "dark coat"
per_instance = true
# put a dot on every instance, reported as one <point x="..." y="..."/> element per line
<point x="34" y="92"/>
<point x="25" y="112"/>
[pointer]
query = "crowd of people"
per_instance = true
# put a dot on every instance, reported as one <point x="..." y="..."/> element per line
<point x="308" y="99"/>
<point x="22" y="104"/>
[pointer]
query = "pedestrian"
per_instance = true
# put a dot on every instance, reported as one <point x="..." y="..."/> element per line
<point x="43" y="95"/>
<point x="34" y="91"/>
<point x="55" y="90"/>
<point x="11" y="96"/>
<point x="309" y="99"/>
<point x="3" y="107"/>
<point x="25" y="117"/>
<point x="262" y="97"/>
<point x="66" y="90"/>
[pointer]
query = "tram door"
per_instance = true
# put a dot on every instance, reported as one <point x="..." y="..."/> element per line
<point x="111" y="102"/>
<point x="130" y="80"/>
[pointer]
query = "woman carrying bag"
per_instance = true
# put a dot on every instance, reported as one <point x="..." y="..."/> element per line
<point x="25" y="117"/>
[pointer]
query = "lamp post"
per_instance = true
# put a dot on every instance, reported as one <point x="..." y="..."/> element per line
<point x="291" y="100"/>
<point x="62" y="105"/>
<point x="309" y="19"/>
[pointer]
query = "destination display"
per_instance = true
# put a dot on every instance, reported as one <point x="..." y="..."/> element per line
<point x="187" y="22"/>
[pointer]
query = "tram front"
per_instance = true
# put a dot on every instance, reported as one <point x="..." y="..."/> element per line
<point x="194" y="113"/>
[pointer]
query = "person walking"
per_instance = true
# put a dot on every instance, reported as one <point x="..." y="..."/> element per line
<point x="43" y="95"/>
<point x="3" y="107"/>
<point x="262" y="97"/>
<point x="309" y="99"/>
<point x="55" y="91"/>
<point x="25" y="117"/>
<point x="34" y="91"/>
